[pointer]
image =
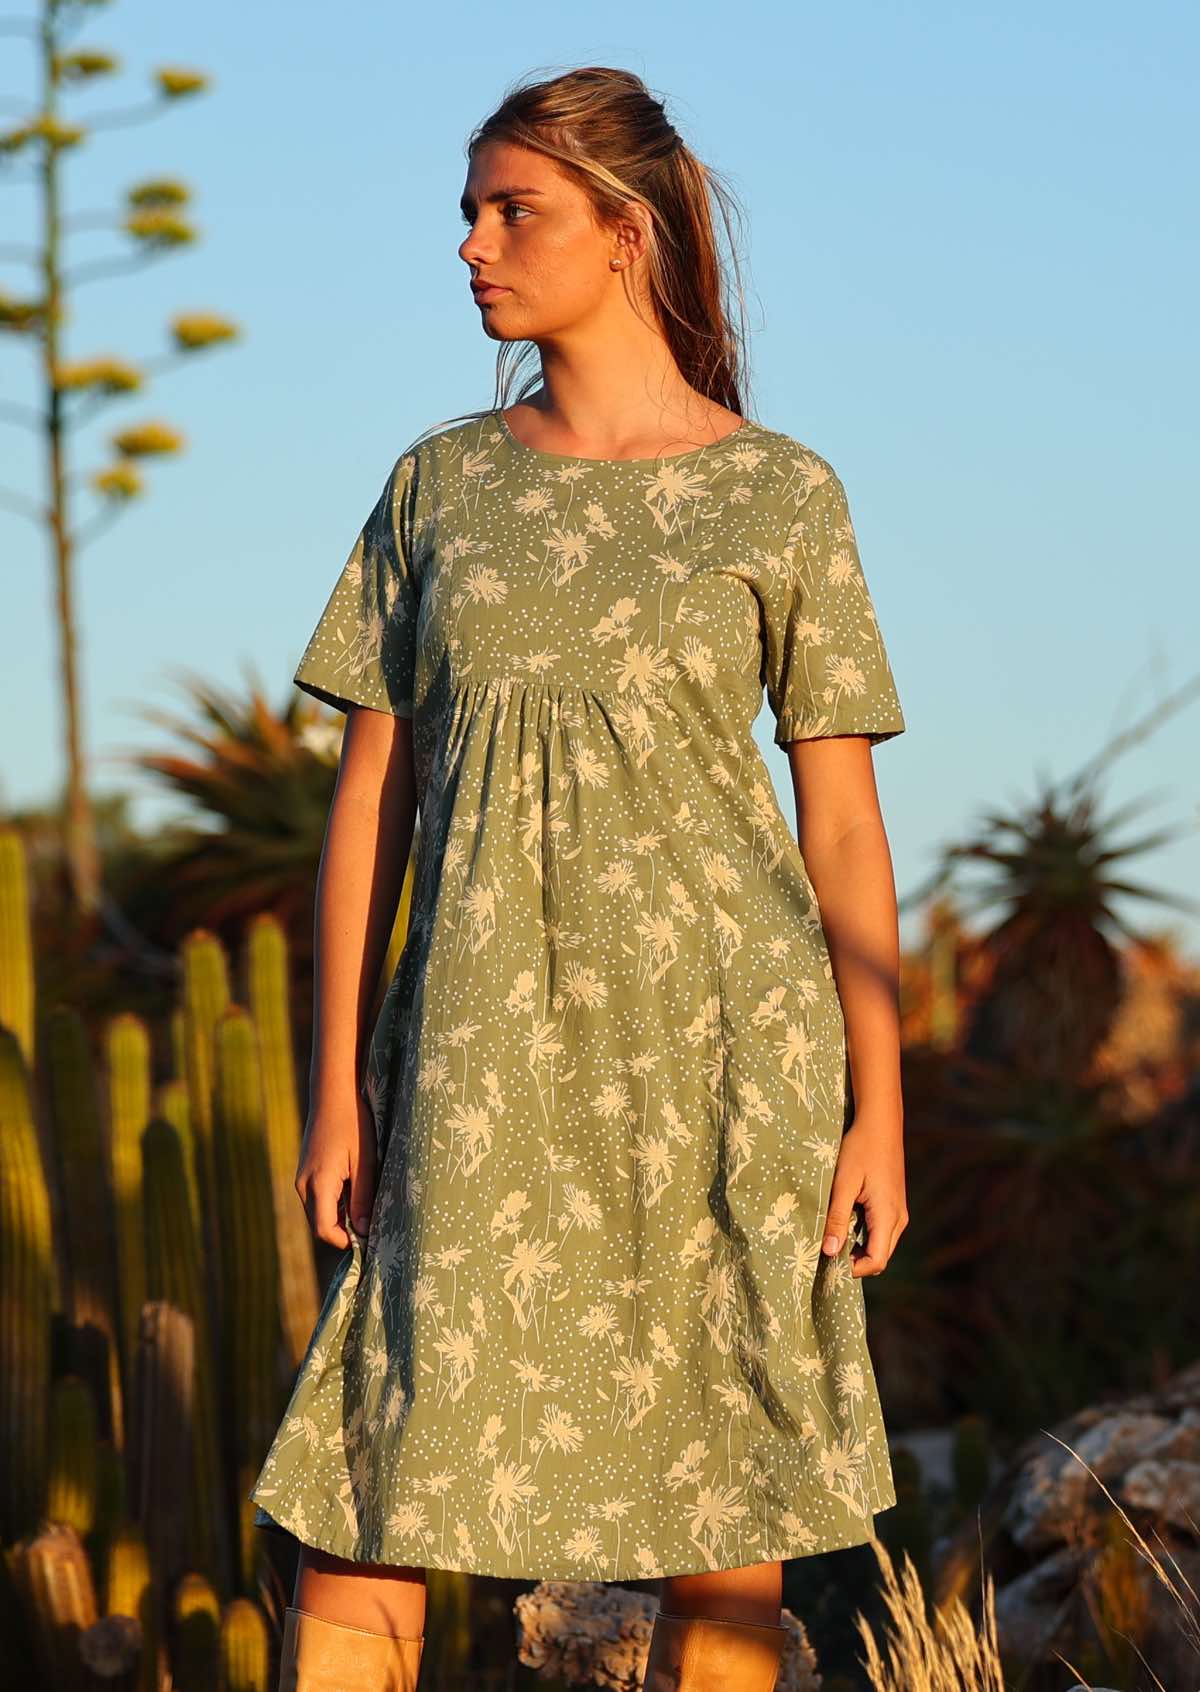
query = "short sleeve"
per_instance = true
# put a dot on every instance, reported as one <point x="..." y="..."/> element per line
<point x="826" y="668"/>
<point x="363" y="649"/>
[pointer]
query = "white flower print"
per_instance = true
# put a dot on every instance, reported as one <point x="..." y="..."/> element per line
<point x="591" y="1333"/>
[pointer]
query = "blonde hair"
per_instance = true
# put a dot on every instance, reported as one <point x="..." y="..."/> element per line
<point x="608" y="132"/>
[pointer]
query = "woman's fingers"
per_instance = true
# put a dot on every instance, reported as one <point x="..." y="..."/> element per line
<point x="362" y="1192"/>
<point x="322" y="1198"/>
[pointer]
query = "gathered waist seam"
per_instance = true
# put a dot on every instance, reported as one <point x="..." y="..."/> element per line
<point x="553" y="690"/>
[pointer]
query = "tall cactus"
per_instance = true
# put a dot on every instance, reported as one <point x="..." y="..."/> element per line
<point x="175" y="1274"/>
<point x="71" y="1494"/>
<point x="88" y="1229"/>
<point x="55" y="1582"/>
<point x="267" y="986"/>
<point x="26" y="1295"/>
<point x="196" y="1634"/>
<point x="131" y="1592"/>
<point x="245" y="1648"/>
<point x="16" y="944"/>
<point x="251" y="1324"/>
<point x="129" y="1111"/>
<point x="16" y="1621"/>
<point x="162" y="1415"/>
<point x="972" y="1457"/>
<point x="195" y="1195"/>
<point x="399" y="934"/>
<point x="205" y="997"/>
<point x="172" y="1103"/>
<point x="110" y="1508"/>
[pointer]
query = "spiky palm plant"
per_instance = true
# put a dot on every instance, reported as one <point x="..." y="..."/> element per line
<point x="259" y="784"/>
<point x="1055" y="977"/>
<point x="1036" y="1210"/>
<point x="258" y="791"/>
<point x="1051" y="965"/>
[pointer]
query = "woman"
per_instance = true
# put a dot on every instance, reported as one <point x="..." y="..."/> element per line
<point x="599" y="1316"/>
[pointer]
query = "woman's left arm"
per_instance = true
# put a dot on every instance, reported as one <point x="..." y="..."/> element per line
<point x="845" y="849"/>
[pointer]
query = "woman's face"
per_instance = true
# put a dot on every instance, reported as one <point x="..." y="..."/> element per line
<point x="533" y="235"/>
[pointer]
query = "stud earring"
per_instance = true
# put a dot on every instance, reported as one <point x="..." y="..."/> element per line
<point x="614" y="264"/>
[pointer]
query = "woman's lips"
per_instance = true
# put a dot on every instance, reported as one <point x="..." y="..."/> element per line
<point x="484" y="296"/>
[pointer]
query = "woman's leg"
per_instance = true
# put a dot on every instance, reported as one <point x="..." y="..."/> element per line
<point x="381" y="1597"/>
<point x="754" y="1593"/>
<point x="720" y="1631"/>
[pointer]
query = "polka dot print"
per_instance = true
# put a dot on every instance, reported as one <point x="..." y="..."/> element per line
<point x="590" y="1333"/>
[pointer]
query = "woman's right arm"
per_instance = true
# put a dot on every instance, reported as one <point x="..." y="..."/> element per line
<point x="363" y="861"/>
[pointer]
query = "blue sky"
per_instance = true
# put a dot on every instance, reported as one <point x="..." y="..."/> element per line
<point x="971" y="261"/>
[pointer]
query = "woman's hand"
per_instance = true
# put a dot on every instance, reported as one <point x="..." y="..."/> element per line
<point x="870" y="1171"/>
<point x="338" y="1147"/>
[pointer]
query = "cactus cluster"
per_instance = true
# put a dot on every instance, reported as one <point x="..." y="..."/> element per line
<point x="159" y="1289"/>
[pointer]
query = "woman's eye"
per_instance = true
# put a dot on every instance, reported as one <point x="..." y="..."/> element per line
<point x="511" y="206"/>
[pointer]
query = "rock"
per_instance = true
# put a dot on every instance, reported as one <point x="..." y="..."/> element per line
<point x="1054" y="1490"/>
<point x="1029" y="1610"/>
<point x="1171" y="1489"/>
<point x="590" y="1633"/>
<point x="1057" y="1504"/>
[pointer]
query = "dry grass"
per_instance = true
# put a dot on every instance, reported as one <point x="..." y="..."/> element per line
<point x="945" y="1656"/>
<point x="1166" y="1572"/>
<point x="948" y="1654"/>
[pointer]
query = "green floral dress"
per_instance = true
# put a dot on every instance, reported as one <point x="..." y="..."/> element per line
<point x="590" y="1333"/>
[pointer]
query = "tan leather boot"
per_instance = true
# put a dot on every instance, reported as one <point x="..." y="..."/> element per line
<point x="327" y="1656"/>
<point x="707" y="1654"/>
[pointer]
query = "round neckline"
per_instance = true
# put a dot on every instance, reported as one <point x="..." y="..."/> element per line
<point x="578" y="458"/>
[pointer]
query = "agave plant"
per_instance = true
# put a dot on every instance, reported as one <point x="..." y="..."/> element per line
<point x="1036" y="1206"/>
<point x="1052" y="968"/>
<point x="260" y="784"/>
